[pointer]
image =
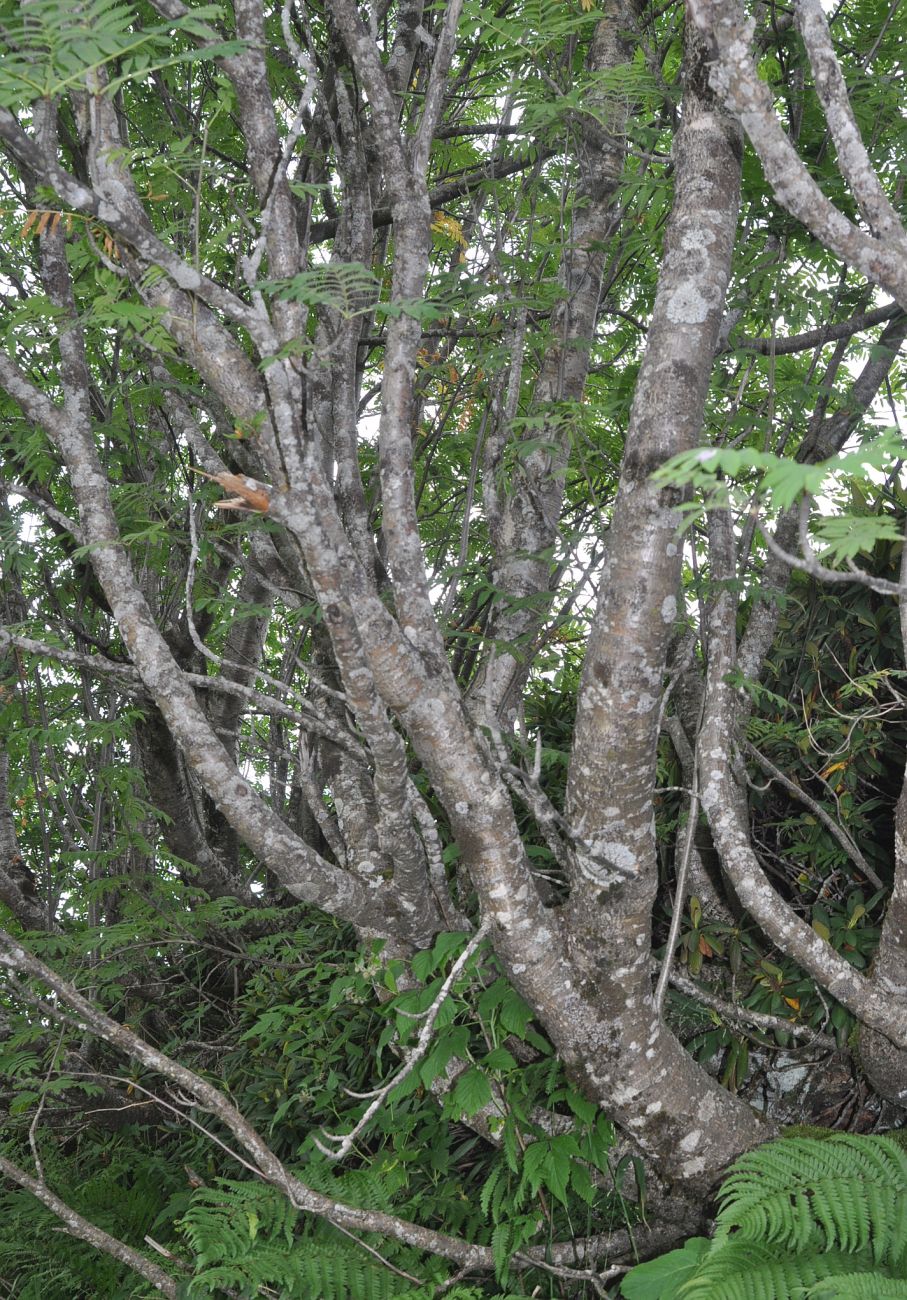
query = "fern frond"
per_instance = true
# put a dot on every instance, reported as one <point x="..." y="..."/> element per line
<point x="367" y="1189"/>
<point x="744" y="1270"/>
<point x="858" y="1286"/>
<point x="244" y="1238"/>
<point x="845" y="1193"/>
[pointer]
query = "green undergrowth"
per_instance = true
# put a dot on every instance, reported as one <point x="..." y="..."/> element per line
<point x="802" y="1218"/>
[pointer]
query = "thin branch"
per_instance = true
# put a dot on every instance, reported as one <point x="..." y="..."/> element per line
<point x="850" y="847"/>
<point x="14" y="957"/>
<point x="453" y="189"/>
<point x="738" y="1014"/>
<point x="80" y="1228"/>
<point x="818" y="337"/>
<point x="683" y="868"/>
<point x="729" y="32"/>
<point x="56" y="516"/>
<point x="129" y="680"/>
<point x="412" y="1057"/>
<point x="810" y="563"/>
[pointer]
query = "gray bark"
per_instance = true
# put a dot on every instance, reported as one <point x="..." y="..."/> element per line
<point x="524" y="518"/>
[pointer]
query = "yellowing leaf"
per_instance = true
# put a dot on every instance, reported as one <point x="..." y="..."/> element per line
<point x="442" y="224"/>
<point x="822" y="930"/>
<point x="39" y="219"/>
<point x="835" y="767"/>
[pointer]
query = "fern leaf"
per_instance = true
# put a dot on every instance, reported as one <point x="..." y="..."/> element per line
<point x="742" y="1270"/>
<point x="858" y="1286"/>
<point x="844" y="1193"/>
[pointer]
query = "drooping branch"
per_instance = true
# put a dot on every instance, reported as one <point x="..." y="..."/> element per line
<point x="130" y="228"/>
<point x="83" y="1230"/>
<point x="810" y="563"/>
<point x="738" y="1014"/>
<point x="129" y="680"/>
<point x="343" y="1142"/>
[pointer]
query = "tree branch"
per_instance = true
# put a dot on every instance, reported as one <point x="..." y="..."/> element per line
<point x="16" y="958"/>
<point x="80" y="1228"/>
<point x="729" y="32"/>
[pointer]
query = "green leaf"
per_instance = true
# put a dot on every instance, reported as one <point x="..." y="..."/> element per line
<point x="499" y="1059"/>
<point x="662" y="1278"/>
<point x="470" y="1093"/>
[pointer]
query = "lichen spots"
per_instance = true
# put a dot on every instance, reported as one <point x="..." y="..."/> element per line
<point x="688" y="306"/>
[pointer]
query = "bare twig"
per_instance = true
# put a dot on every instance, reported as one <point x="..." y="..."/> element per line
<point x="848" y="844"/>
<point x="412" y="1056"/>
<point x="683" y="867"/>
<point x="738" y="1014"/>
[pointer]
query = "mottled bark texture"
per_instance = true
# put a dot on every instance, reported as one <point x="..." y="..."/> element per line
<point x="728" y="33"/>
<point x="618" y="717"/>
<point x="380" y="757"/>
<point x="612" y="770"/>
<point x="524" y="520"/>
<point x="883" y="1059"/>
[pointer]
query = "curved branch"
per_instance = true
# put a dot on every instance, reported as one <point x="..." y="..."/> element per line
<point x="726" y="808"/>
<point x="729" y="32"/>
